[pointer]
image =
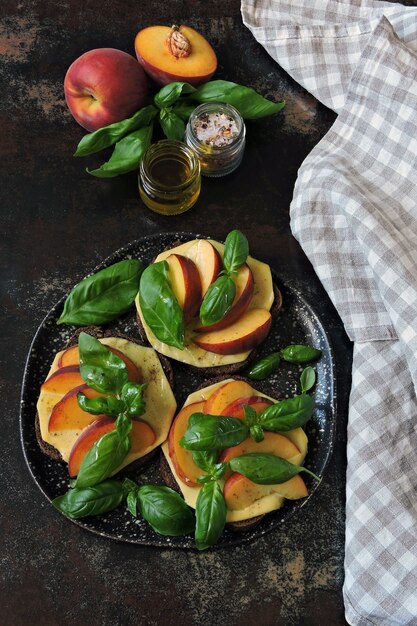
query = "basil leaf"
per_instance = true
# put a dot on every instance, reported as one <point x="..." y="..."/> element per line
<point x="172" y="125"/>
<point x="103" y="459"/>
<point x="287" y="414"/>
<point x="126" y="155"/>
<point x="266" y="469"/>
<point x="108" y="135"/>
<point x="250" y="104"/>
<point x="132" y="503"/>
<point x="159" y="306"/>
<point x="101" y="369"/>
<point x="257" y="433"/>
<point x="300" y="354"/>
<point x="210" y="515"/>
<point x="101" y="406"/>
<point x="251" y="416"/>
<point x="213" y="432"/>
<point x="96" y="500"/>
<point x="236" y="251"/>
<point x="307" y="379"/>
<point x="218" y="300"/>
<point x="123" y="426"/>
<point x="264" y="367"/>
<point x="171" y="92"/>
<point x="165" y="511"/>
<point x="132" y="396"/>
<point x="102" y="297"/>
<point x="205" y="459"/>
<point x="183" y="109"/>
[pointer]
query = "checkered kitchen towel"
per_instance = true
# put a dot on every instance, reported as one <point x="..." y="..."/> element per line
<point x="354" y="212"/>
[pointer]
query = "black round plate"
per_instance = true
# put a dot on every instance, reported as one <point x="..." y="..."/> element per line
<point x="297" y="323"/>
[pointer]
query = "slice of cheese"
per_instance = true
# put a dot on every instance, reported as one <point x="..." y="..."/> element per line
<point x="263" y="297"/>
<point x="160" y="401"/>
<point x="265" y="504"/>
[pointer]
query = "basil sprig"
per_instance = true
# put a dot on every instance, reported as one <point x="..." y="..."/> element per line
<point x="105" y="295"/>
<point x="300" y="354"/>
<point x="266" y="469"/>
<point x="130" y="401"/>
<point x="220" y="295"/>
<point x="100" y="368"/>
<point x="94" y="500"/>
<point x="250" y="104"/>
<point x="212" y="432"/>
<point x="210" y="515"/>
<point x="295" y="353"/>
<point x="287" y="414"/>
<point x="126" y="155"/>
<point x="159" y="307"/>
<point x="109" y="135"/>
<point x="165" y="510"/>
<point x="106" y="455"/>
<point x="172" y="106"/>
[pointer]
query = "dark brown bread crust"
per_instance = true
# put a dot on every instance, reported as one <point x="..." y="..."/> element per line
<point x="170" y="481"/>
<point x="99" y="333"/>
<point x="223" y="370"/>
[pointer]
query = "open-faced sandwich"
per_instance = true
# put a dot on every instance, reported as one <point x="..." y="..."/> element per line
<point x="208" y="305"/>
<point x="251" y="443"/>
<point x="78" y="404"/>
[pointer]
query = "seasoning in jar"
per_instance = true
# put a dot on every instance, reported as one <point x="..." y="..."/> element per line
<point x="216" y="132"/>
<point x="169" y="177"/>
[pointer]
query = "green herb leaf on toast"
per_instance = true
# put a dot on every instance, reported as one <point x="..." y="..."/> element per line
<point x="213" y="432"/>
<point x="218" y="300"/>
<point x="287" y="414"/>
<point x="266" y="469"/>
<point x="210" y="515"/>
<point x="236" y="251"/>
<point x="159" y="306"/>
<point x="100" y="368"/>
<point x="107" y="294"/>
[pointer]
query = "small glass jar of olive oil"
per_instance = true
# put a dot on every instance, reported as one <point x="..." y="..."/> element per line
<point x="169" y="177"/>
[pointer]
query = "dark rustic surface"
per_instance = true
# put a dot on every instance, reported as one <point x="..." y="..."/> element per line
<point x="57" y="223"/>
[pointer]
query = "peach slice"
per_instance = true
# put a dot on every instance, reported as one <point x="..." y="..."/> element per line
<point x="208" y="262"/>
<point x="63" y="380"/>
<point x="197" y="62"/>
<point x="244" y="290"/>
<point x="71" y="356"/>
<point x="142" y="436"/>
<point x="273" y="443"/>
<point x="182" y="459"/>
<point x="236" y="408"/>
<point x="67" y="415"/>
<point x="245" y="334"/>
<point x="240" y="492"/>
<point x="185" y="283"/>
<point x="224" y="395"/>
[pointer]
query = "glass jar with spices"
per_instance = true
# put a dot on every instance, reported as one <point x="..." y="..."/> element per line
<point x="216" y="132"/>
<point x="169" y="177"/>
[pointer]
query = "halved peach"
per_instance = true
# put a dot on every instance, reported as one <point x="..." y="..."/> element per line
<point x="142" y="436"/>
<point x="273" y="443"/>
<point x="185" y="283"/>
<point x="236" y="408"/>
<point x="67" y="415"/>
<point x="161" y="64"/>
<point x="245" y="334"/>
<point x="244" y="284"/>
<point x="208" y="262"/>
<point x="71" y="356"/>
<point x="240" y="492"/>
<point x="224" y="395"/>
<point x="63" y="380"/>
<point x="182" y="459"/>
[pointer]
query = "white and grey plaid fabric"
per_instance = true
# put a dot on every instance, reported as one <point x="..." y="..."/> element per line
<point x="354" y="212"/>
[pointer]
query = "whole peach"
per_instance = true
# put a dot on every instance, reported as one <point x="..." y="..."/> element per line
<point x="103" y="86"/>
